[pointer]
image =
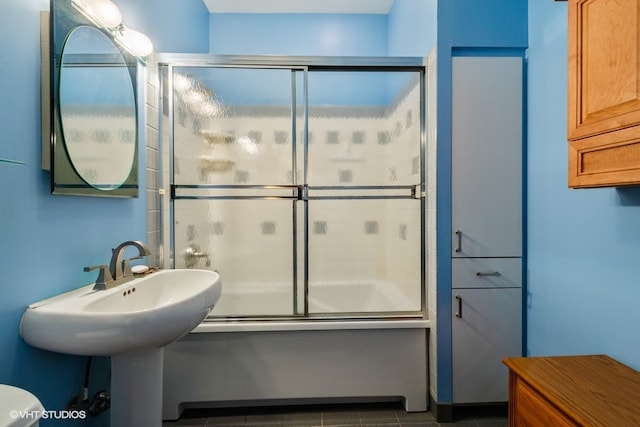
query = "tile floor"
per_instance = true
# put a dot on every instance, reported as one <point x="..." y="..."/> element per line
<point x="369" y="415"/>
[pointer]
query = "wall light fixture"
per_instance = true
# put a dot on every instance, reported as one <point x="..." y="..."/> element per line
<point x="134" y="41"/>
<point x="105" y="14"/>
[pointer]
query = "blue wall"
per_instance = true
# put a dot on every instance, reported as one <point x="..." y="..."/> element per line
<point x="172" y="26"/>
<point x="408" y="30"/>
<point x="412" y="27"/>
<point x="308" y="35"/>
<point x="298" y="34"/>
<point x="45" y="240"/>
<point x="464" y="26"/>
<point x="583" y="247"/>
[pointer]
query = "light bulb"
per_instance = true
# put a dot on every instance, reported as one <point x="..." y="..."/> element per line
<point x="136" y="42"/>
<point x="104" y="12"/>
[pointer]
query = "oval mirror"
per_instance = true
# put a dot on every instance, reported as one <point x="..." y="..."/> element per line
<point x="97" y="108"/>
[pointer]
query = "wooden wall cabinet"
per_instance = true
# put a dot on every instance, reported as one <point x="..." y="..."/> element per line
<point x="604" y="93"/>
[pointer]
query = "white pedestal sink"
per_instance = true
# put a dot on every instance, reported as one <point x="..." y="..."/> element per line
<point x="131" y="323"/>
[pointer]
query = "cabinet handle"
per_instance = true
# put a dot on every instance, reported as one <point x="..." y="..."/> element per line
<point x="488" y="273"/>
<point x="459" y="313"/>
<point x="459" y="234"/>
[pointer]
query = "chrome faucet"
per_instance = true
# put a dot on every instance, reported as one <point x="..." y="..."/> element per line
<point x="118" y="271"/>
<point x="120" y="268"/>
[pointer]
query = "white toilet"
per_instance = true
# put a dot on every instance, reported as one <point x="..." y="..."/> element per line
<point x="18" y="407"/>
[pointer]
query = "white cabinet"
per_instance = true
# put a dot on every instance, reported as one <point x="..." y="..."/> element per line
<point x="487" y="330"/>
<point x="486" y="209"/>
<point x="486" y="154"/>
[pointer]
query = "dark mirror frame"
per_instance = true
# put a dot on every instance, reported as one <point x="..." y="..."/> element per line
<point x="65" y="180"/>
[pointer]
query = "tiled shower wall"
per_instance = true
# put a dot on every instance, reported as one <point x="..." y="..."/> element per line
<point x="152" y="138"/>
<point x="350" y="240"/>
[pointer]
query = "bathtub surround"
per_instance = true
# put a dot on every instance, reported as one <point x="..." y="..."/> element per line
<point x="355" y="234"/>
<point x="262" y="363"/>
<point x="336" y="298"/>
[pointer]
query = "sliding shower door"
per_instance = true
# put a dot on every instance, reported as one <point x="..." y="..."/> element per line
<point x="364" y="189"/>
<point x="302" y="186"/>
<point x="235" y="194"/>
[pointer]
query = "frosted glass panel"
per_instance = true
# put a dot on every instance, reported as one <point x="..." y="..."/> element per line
<point x="364" y="256"/>
<point x="364" y="128"/>
<point x="302" y="188"/>
<point x="250" y="243"/>
<point x="231" y="122"/>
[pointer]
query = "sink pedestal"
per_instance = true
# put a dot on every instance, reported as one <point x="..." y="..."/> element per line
<point x="136" y="388"/>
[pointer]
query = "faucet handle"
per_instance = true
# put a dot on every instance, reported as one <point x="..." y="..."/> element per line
<point x="127" y="265"/>
<point x="192" y="254"/>
<point x="104" y="276"/>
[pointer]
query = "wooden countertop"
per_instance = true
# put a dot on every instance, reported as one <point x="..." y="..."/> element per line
<point x="593" y="390"/>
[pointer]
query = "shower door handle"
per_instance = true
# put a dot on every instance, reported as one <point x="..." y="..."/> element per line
<point x="459" y="313"/>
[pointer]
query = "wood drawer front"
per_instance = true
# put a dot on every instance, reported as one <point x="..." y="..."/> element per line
<point x="605" y="160"/>
<point x="533" y="410"/>
<point x="486" y="272"/>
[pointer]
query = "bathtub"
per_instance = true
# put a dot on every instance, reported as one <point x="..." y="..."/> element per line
<point x="230" y="363"/>
<point x="373" y="296"/>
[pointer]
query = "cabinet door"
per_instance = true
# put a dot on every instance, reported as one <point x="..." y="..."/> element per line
<point x="487" y="157"/>
<point x="604" y="53"/>
<point x="604" y="93"/>
<point x="487" y="326"/>
<point x="533" y="410"/>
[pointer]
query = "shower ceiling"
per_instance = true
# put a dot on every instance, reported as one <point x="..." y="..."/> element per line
<point x="299" y="6"/>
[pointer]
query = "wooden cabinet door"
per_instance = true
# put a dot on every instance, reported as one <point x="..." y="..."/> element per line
<point x="533" y="410"/>
<point x="487" y="128"/>
<point x="604" y="58"/>
<point x="604" y="93"/>
<point x="487" y="326"/>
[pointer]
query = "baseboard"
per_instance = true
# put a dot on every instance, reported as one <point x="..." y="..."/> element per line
<point x="449" y="412"/>
<point x="442" y="412"/>
<point x="480" y="410"/>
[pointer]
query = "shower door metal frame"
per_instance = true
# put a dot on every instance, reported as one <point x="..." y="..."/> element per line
<point x="300" y="192"/>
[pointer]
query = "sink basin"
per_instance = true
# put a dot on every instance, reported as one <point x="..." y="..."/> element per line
<point x="130" y="322"/>
<point x="147" y="312"/>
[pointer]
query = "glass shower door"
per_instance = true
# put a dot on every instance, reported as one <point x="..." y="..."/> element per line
<point x="303" y="186"/>
<point x="365" y="202"/>
<point x="235" y="190"/>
